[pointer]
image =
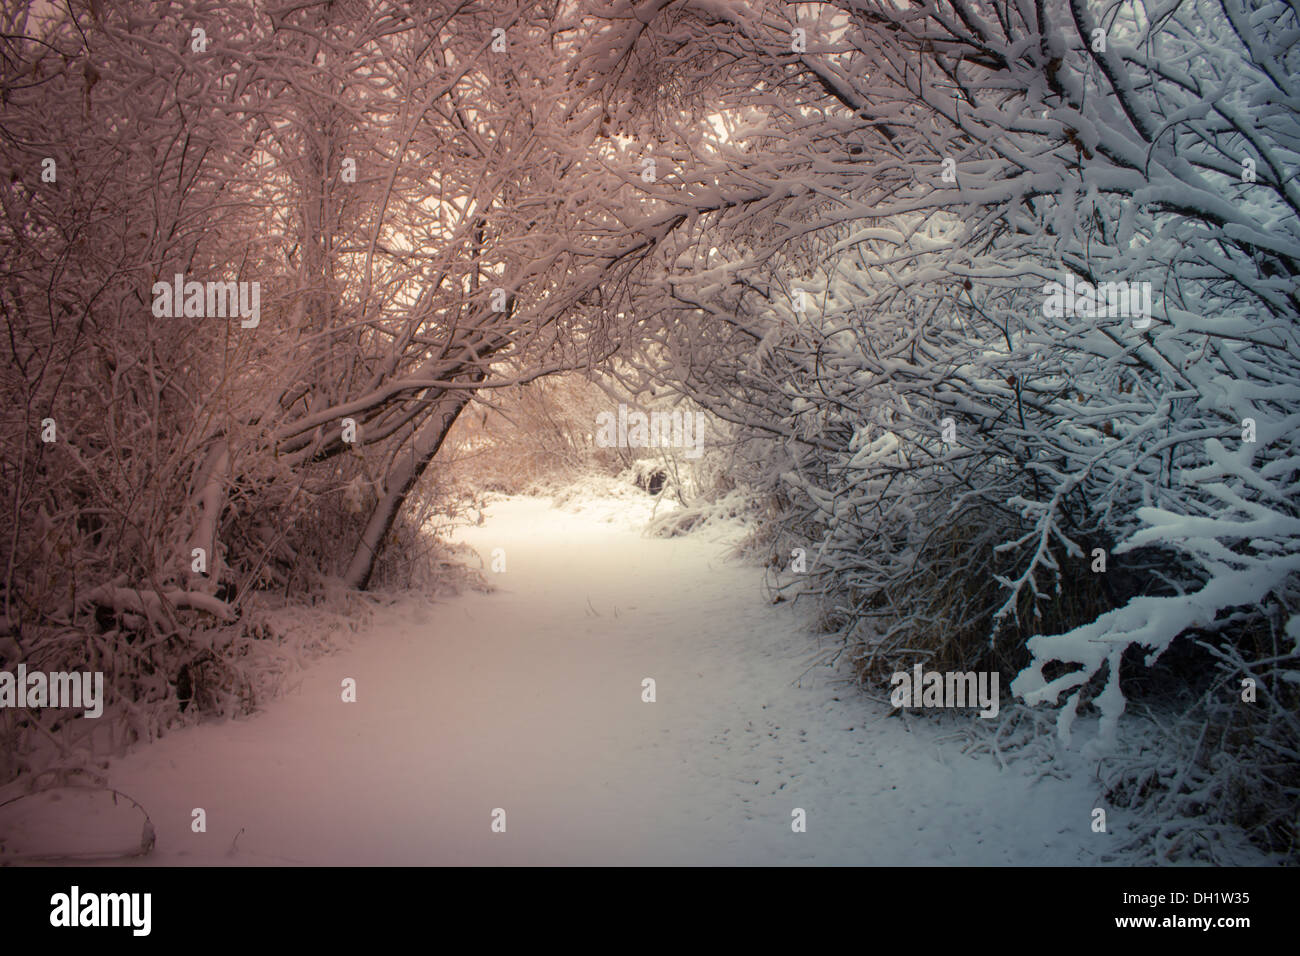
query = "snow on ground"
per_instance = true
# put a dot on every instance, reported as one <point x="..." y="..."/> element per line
<point x="529" y="699"/>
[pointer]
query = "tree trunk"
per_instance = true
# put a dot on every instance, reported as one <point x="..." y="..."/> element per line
<point x="398" y="485"/>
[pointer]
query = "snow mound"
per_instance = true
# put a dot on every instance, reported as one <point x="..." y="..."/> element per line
<point x="614" y="501"/>
<point x="726" y="520"/>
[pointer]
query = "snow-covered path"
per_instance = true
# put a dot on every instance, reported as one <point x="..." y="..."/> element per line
<point x="529" y="699"/>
